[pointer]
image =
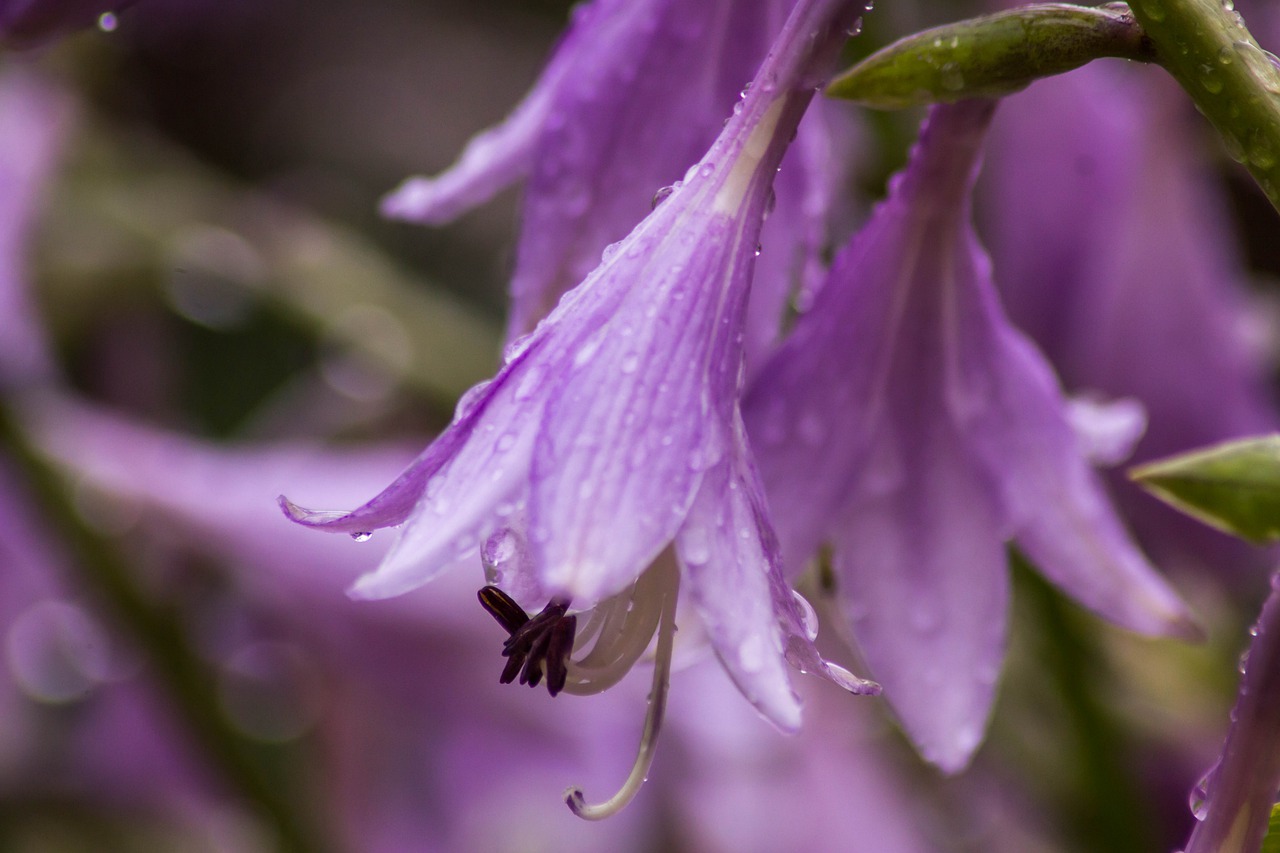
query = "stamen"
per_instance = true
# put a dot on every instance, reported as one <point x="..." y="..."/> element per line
<point x="503" y="608"/>
<point x="536" y="647"/>
<point x="627" y="623"/>
<point x="667" y="575"/>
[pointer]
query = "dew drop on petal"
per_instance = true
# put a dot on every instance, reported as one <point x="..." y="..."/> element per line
<point x="362" y="536"/>
<point x="468" y="400"/>
<point x="516" y="348"/>
<point x="695" y="546"/>
<point x="1198" y="800"/>
<point x="848" y="680"/>
<point x="808" y="616"/>
<point x="660" y="196"/>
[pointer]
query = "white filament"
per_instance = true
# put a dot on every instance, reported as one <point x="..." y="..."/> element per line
<point x="669" y="579"/>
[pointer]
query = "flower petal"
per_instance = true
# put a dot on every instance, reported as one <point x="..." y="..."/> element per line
<point x="727" y="569"/>
<point x="1061" y="515"/>
<point x="630" y="427"/>
<point x="472" y="476"/>
<point x="491" y="161"/>
<point x="922" y="570"/>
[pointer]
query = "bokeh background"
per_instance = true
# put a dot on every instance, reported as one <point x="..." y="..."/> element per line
<point x="191" y="209"/>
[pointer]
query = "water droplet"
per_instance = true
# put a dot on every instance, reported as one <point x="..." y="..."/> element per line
<point x="609" y="252"/>
<point x="770" y="201"/>
<point x="1226" y="56"/>
<point x="1262" y="64"/>
<point x="516" y="348"/>
<point x="586" y="352"/>
<point x="849" y="681"/>
<point x="759" y="249"/>
<point x="629" y="363"/>
<point x="506" y="442"/>
<point x="661" y="195"/>
<point x="1234" y="149"/>
<point x="362" y="536"/>
<point x="808" y="616"/>
<point x="107" y="22"/>
<point x="1261" y="155"/>
<point x="1199" y="797"/>
<point x="1210" y="80"/>
<point x="468" y="400"/>
<point x="695" y="545"/>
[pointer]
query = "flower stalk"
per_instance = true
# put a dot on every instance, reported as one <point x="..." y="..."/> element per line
<point x="1205" y="45"/>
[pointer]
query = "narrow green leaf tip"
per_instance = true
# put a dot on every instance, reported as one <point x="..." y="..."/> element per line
<point x="992" y="55"/>
<point x="1234" y="487"/>
<point x="1271" y="843"/>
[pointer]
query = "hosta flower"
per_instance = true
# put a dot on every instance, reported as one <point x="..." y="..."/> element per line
<point x="1122" y="267"/>
<point x="635" y="92"/>
<point x="909" y="426"/>
<point x="1234" y="801"/>
<point x="611" y="441"/>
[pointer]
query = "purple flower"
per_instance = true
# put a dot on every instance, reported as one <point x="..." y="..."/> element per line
<point x="612" y="433"/>
<point x="1233" y="803"/>
<point x="1120" y="264"/>
<point x="635" y="93"/>
<point x="908" y="425"/>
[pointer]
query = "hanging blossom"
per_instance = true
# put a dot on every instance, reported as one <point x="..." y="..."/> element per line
<point x="635" y="92"/>
<point x="1234" y="800"/>
<point x="613" y="433"/>
<point x="1123" y="269"/>
<point x="906" y="424"/>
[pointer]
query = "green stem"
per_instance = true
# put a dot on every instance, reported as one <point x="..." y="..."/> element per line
<point x="187" y="679"/>
<point x="1204" y="44"/>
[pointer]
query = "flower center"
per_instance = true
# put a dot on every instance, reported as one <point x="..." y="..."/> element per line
<point x="535" y="646"/>
<point x="616" y="634"/>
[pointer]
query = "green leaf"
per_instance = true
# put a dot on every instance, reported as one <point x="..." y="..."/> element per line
<point x="1234" y="487"/>
<point x="1271" y="843"/>
<point x="992" y="55"/>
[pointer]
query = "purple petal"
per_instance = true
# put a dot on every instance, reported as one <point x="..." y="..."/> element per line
<point x="490" y="162"/>
<point x="922" y="570"/>
<point x="1061" y="516"/>
<point x="1239" y="792"/>
<point x="1122" y="268"/>
<point x="727" y="568"/>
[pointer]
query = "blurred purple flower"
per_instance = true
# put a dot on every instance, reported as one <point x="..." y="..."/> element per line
<point x="906" y="423"/>
<point x="404" y="770"/>
<point x="1122" y="266"/>
<point x="635" y="92"/>
<point x="1234" y="801"/>
<point x="27" y="22"/>
<point x="613" y="432"/>
<point x="34" y="115"/>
